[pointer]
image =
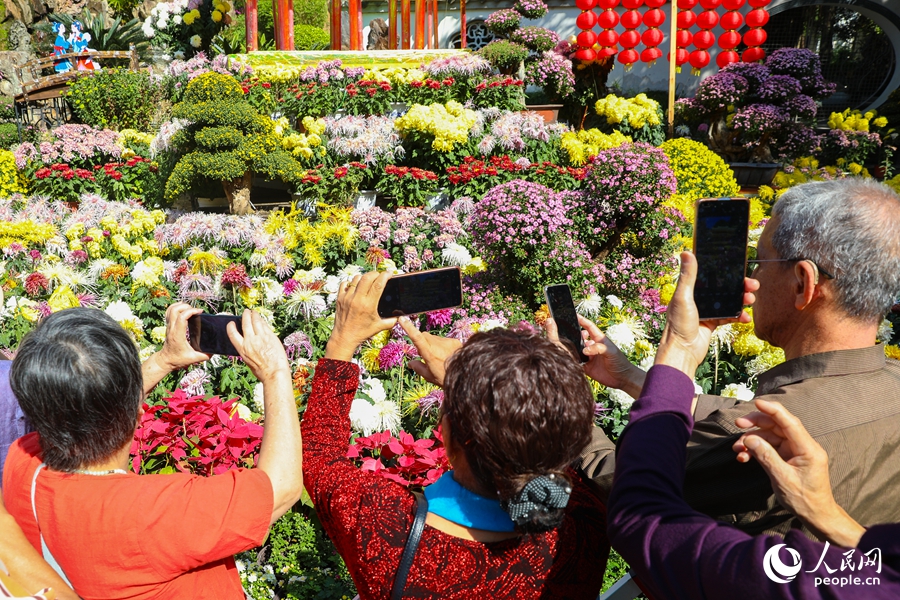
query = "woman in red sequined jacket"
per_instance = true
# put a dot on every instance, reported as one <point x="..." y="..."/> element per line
<point x="511" y="520"/>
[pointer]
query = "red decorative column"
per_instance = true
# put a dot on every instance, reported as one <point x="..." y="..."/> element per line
<point x="630" y="38"/>
<point x="251" y="17"/>
<point x="756" y="37"/>
<point x="406" y="40"/>
<point x="420" y="24"/>
<point x="284" y="24"/>
<point x="392" y="24"/>
<point x="462" y="23"/>
<point x="355" y="34"/>
<point x="335" y="24"/>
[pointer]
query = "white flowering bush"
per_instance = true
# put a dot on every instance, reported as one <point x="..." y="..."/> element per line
<point x="183" y="28"/>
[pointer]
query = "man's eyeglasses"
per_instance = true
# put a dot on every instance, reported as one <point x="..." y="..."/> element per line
<point x="753" y="265"/>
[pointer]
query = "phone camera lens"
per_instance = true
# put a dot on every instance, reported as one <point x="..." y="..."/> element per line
<point x="388" y="298"/>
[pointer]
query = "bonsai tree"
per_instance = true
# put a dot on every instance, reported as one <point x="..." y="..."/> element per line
<point x="760" y="112"/>
<point x="227" y="140"/>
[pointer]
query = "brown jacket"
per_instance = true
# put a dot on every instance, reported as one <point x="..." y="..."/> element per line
<point x="849" y="400"/>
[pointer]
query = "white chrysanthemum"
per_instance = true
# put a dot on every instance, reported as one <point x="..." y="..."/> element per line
<point x="147" y="272"/>
<point x="489" y="324"/>
<point x="614" y="300"/>
<point x="885" y="331"/>
<point x="196" y="41"/>
<point x="765" y="361"/>
<point x="259" y="404"/>
<point x="373" y="388"/>
<point x="722" y="338"/>
<point x="308" y="303"/>
<point x="98" y="266"/>
<point x="741" y="391"/>
<point x="377" y="413"/>
<point x="158" y="334"/>
<point x="121" y="314"/>
<point x="349" y="272"/>
<point x="146" y="353"/>
<point x="456" y="255"/>
<point x="590" y="306"/>
<point x="626" y="333"/>
<point x="363" y="416"/>
<point x="620" y="397"/>
<point x="148" y="30"/>
<point x="271" y="289"/>
<point x="311" y="276"/>
<point x="162" y="23"/>
<point x="243" y="412"/>
<point x="332" y="283"/>
<point x="59" y="274"/>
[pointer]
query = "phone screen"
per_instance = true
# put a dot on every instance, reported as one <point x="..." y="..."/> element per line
<point x="720" y="245"/>
<point x="421" y="292"/>
<point x="562" y="309"/>
<point x="208" y="333"/>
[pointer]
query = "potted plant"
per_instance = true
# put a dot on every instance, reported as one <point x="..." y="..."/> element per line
<point x="552" y="72"/>
<point x="407" y="186"/>
<point x="759" y="116"/>
<point x="504" y="55"/>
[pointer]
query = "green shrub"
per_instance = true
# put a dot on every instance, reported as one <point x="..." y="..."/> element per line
<point x="115" y="99"/>
<point x="309" y="37"/>
<point x="9" y="135"/>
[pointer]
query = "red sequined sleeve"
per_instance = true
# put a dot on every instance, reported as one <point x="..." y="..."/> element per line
<point x="366" y="516"/>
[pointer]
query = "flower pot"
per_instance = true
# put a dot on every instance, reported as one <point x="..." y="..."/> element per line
<point x="398" y="109"/>
<point x="877" y="171"/>
<point x="753" y="175"/>
<point x="211" y="204"/>
<point x="549" y="111"/>
<point x="365" y="199"/>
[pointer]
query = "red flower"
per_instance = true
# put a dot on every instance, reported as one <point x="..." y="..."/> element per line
<point x="433" y="84"/>
<point x="43" y="173"/>
<point x="59" y="167"/>
<point x="340" y="172"/>
<point x="115" y="175"/>
<point x="416" y="84"/>
<point x="266" y="85"/>
<point x="448" y="82"/>
<point x="36" y="283"/>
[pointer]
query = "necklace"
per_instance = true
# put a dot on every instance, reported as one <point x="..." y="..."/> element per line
<point x="110" y="472"/>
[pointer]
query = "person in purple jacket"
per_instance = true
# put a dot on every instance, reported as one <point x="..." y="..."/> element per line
<point x="677" y="552"/>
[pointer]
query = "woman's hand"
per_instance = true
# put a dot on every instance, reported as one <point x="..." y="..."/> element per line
<point x="260" y="348"/>
<point x="176" y="352"/>
<point x="434" y="350"/>
<point x="798" y="469"/>
<point x="356" y="317"/>
<point x="685" y="339"/>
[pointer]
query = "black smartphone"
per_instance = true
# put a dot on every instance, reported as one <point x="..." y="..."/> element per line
<point x="421" y="292"/>
<point x="208" y="334"/>
<point x="562" y="309"/>
<point x="720" y="245"/>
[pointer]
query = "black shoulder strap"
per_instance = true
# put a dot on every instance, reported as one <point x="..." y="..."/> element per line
<point x="412" y="543"/>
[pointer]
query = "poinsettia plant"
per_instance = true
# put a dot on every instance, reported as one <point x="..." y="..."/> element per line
<point x="193" y="434"/>
<point x="404" y="459"/>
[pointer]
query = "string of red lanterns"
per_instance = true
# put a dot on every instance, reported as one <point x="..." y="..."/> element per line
<point x="587" y="38"/>
<point x="652" y="36"/>
<point x="607" y="20"/>
<point x="630" y="20"/>
<point x="728" y="41"/>
<point x="756" y="37"/>
<point x="684" y="20"/>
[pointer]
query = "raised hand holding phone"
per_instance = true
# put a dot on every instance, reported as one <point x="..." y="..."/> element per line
<point x="720" y="246"/>
<point x="562" y="309"/>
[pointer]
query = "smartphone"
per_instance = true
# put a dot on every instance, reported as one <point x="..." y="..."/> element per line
<point x="720" y="245"/>
<point x="562" y="309"/>
<point x="208" y="334"/>
<point x="421" y="292"/>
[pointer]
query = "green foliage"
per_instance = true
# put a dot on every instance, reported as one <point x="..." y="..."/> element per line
<point x="504" y="55"/>
<point x="115" y="36"/>
<point x="310" y="12"/>
<point x="9" y="135"/>
<point x="227" y="138"/>
<point x="115" y="99"/>
<point x="310" y="37"/>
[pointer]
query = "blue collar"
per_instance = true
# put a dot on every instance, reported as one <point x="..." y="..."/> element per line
<point x="448" y="499"/>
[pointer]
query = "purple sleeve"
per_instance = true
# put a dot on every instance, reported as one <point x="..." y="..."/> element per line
<point x="676" y="552"/>
<point x="13" y="424"/>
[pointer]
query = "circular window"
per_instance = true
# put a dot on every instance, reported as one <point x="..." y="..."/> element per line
<point x="856" y="53"/>
<point x="477" y="35"/>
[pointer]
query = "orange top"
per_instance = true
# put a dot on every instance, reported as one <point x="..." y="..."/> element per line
<point x="141" y="536"/>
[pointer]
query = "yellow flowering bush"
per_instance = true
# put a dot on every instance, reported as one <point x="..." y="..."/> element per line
<point x="333" y="228"/>
<point x="587" y="143"/>
<point x="639" y="117"/>
<point x="11" y="181"/>
<point x="446" y="125"/>
<point x="700" y="172"/>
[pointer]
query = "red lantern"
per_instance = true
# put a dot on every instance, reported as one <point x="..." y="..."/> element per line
<point x="632" y="4"/>
<point x="604" y="52"/>
<point x="755" y="37"/>
<point x="655" y="3"/>
<point x="630" y="39"/>
<point x="607" y="38"/>
<point x="586" y="20"/>
<point x="654" y="17"/>
<point x="585" y="4"/>
<point x="649" y="55"/>
<point x="757" y="18"/>
<point x="586" y="39"/>
<point x="631" y="19"/>
<point x="652" y="37"/>
<point x="707" y="19"/>
<point x="682" y="56"/>
<point x="710" y="4"/>
<point x="628" y="57"/>
<point x="586" y="54"/>
<point x="758" y="3"/>
<point x="608" y="19"/>
<point x="732" y="4"/>
<point x="685" y="19"/>
<point x="726" y="58"/>
<point x="607" y="4"/>
<point x="753" y="55"/>
<point x="731" y="20"/>
<point x="699" y="59"/>
<point x="687" y="4"/>
<point x="683" y="38"/>
<point x="704" y="39"/>
<point x="729" y="40"/>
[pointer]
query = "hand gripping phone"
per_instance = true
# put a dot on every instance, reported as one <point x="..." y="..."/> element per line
<point x="562" y="309"/>
<point x="720" y="245"/>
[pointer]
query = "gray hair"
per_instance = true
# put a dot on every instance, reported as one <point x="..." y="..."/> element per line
<point x="851" y="228"/>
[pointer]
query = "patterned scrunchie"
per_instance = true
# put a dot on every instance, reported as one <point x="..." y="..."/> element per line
<point x="540" y="494"/>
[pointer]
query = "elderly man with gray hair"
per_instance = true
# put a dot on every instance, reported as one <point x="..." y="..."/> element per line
<point x="827" y="272"/>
